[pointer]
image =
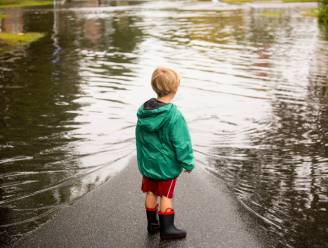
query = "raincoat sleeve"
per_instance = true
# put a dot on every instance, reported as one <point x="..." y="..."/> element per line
<point x="181" y="142"/>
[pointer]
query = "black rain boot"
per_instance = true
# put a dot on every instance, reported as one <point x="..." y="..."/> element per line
<point x="153" y="225"/>
<point x="167" y="227"/>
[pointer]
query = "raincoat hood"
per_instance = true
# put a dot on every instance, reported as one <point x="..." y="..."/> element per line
<point x="153" y="119"/>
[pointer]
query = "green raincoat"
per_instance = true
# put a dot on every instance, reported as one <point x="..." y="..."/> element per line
<point x="163" y="142"/>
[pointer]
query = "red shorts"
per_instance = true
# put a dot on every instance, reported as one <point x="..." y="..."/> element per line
<point x="159" y="187"/>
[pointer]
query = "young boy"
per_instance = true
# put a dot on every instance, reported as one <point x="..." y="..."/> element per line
<point x="163" y="150"/>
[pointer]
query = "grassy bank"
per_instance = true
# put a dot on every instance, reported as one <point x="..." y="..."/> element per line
<point x="23" y="3"/>
<point x="19" y="39"/>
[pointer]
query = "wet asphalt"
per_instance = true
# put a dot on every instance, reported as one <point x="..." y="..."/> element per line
<point x="113" y="215"/>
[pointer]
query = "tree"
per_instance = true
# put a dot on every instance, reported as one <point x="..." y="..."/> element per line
<point x="323" y="13"/>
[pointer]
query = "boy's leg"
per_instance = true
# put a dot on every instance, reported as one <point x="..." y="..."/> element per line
<point x="151" y="212"/>
<point x="165" y="203"/>
<point x="151" y="200"/>
<point x="150" y="187"/>
<point x="166" y="216"/>
<point x="166" y="189"/>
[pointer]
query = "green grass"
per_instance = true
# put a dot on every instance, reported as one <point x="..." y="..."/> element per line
<point x="237" y="1"/>
<point x="23" y="3"/>
<point x="19" y="39"/>
<point x="2" y="16"/>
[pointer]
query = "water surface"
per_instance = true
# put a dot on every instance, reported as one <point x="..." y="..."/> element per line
<point x="254" y="93"/>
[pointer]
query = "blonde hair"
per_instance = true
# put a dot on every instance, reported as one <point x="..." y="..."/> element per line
<point x="165" y="81"/>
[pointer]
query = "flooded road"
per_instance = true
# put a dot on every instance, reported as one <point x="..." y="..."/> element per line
<point x="254" y="91"/>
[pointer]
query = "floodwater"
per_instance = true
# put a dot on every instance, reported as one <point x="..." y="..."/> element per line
<point x="254" y="91"/>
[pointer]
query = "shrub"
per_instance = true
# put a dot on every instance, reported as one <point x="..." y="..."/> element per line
<point x="323" y="13"/>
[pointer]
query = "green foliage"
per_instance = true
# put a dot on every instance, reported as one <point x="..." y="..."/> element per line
<point x="19" y="39"/>
<point x="323" y="13"/>
<point x="23" y="3"/>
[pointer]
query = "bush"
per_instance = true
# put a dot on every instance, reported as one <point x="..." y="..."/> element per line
<point x="323" y="13"/>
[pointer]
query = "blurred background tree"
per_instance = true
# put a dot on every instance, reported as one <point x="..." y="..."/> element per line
<point x="323" y="13"/>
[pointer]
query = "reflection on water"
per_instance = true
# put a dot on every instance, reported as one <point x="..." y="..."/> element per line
<point x="61" y="131"/>
<point x="254" y="91"/>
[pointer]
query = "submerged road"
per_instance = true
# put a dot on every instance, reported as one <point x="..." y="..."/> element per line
<point x="113" y="215"/>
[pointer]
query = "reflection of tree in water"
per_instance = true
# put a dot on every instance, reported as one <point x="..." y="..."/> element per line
<point x="260" y="29"/>
<point x="119" y="33"/>
<point x="126" y="34"/>
<point x="261" y="32"/>
<point x="13" y="23"/>
<point x="36" y="104"/>
<point x="283" y="176"/>
<point x="324" y="31"/>
<point x="38" y="97"/>
<point x="238" y="28"/>
<point x="98" y="3"/>
<point x="243" y="28"/>
<point x="118" y="36"/>
<point x="219" y="28"/>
